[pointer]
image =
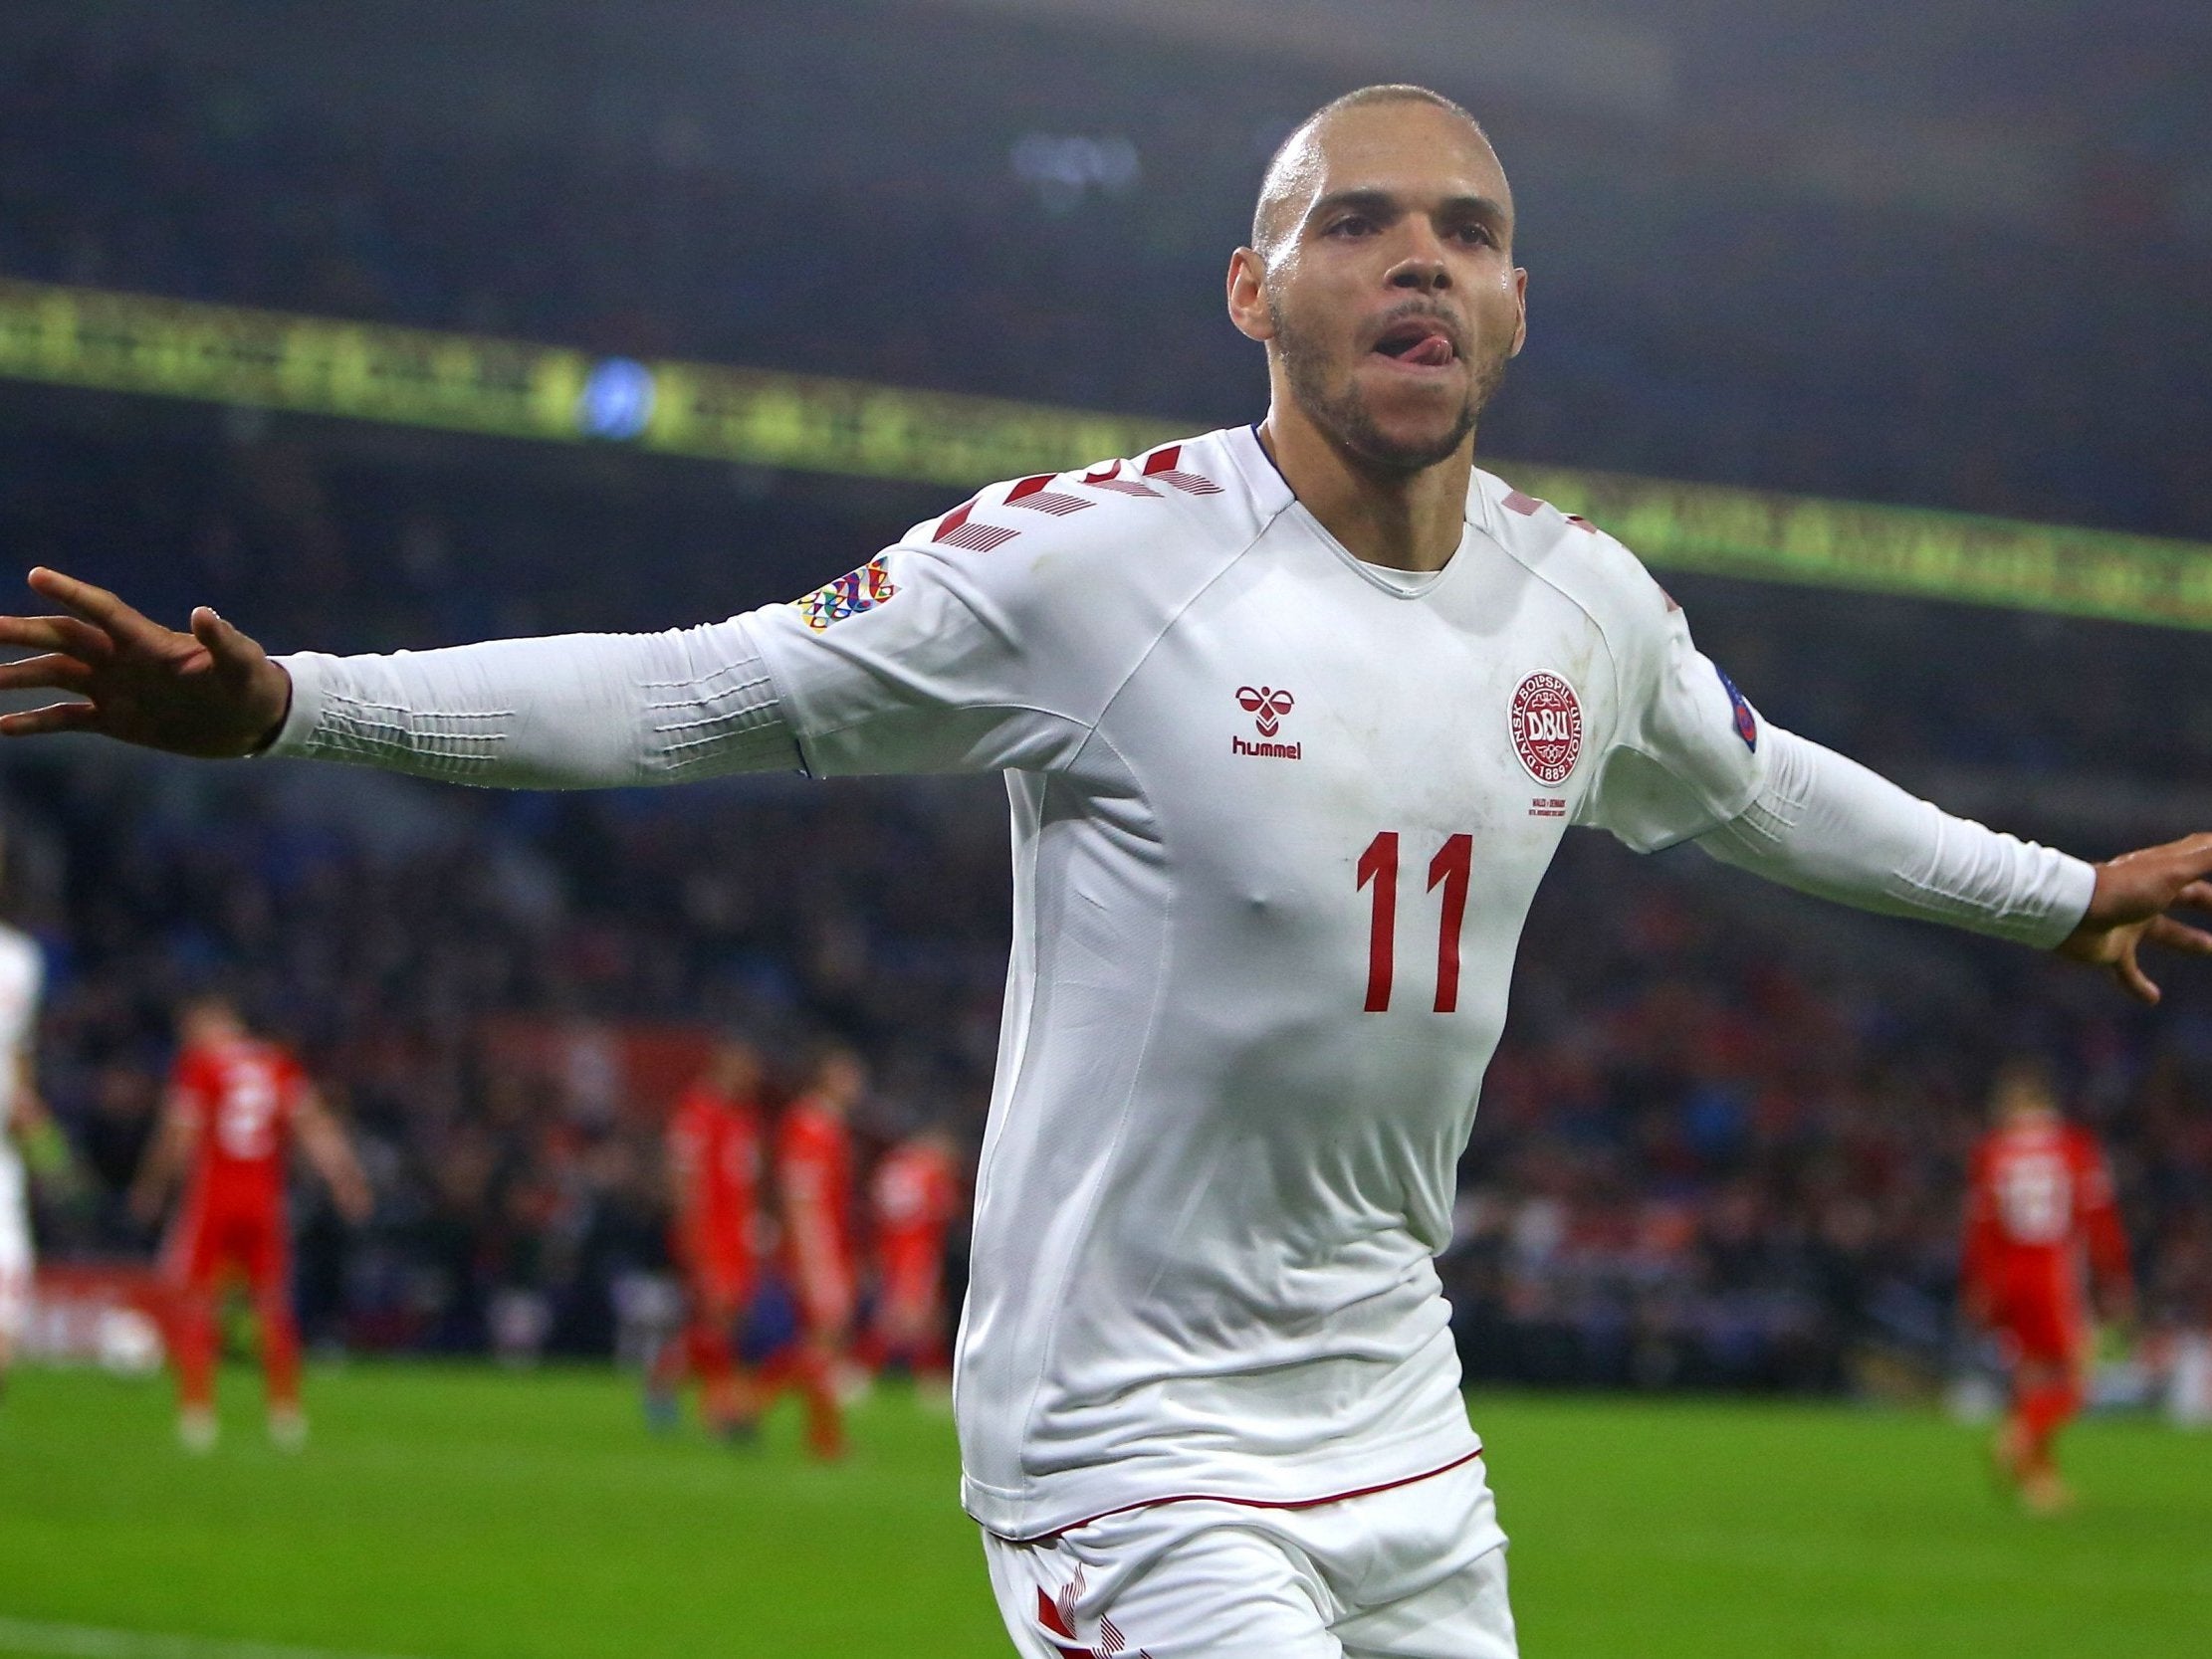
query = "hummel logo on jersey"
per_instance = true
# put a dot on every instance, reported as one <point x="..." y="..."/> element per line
<point x="1267" y="704"/>
<point x="1266" y="707"/>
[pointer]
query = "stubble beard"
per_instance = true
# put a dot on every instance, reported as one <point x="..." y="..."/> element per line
<point x="1344" y="417"/>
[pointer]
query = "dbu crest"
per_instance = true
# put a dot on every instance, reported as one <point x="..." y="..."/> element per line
<point x="1547" y="728"/>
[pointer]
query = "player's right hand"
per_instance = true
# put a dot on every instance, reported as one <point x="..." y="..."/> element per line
<point x="2129" y="905"/>
<point x="211" y="692"/>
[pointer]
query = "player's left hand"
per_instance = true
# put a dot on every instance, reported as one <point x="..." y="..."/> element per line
<point x="2135" y="891"/>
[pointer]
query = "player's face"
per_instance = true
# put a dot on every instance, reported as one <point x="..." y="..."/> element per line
<point x="738" y="1069"/>
<point x="205" y="1022"/>
<point x="2024" y="1094"/>
<point x="1391" y="299"/>
<point x="844" y="1078"/>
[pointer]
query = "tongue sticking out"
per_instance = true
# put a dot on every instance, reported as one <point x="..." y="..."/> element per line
<point x="1432" y="352"/>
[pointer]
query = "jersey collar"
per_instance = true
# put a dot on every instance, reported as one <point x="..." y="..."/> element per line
<point x="1272" y="492"/>
<point x="1273" y="496"/>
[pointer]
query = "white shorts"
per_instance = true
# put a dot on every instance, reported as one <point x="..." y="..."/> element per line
<point x="1414" y="1572"/>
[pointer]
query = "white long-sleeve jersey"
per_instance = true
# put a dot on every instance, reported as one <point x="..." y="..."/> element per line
<point x="1277" y="817"/>
<point x="22" y="978"/>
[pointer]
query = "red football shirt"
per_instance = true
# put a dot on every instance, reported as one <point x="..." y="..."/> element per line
<point x="2040" y="1212"/>
<point x="813" y="1168"/>
<point x="714" y="1150"/>
<point x="914" y="1197"/>
<point x="242" y="1096"/>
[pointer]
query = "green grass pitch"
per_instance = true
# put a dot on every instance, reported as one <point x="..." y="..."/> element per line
<point x="466" y="1514"/>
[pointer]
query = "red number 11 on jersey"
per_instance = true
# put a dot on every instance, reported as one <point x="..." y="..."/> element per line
<point x="1450" y="870"/>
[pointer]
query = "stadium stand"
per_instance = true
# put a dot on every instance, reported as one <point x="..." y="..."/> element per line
<point x="1872" y="344"/>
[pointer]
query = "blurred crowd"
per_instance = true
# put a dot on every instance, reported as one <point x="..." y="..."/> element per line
<point x="1689" y="318"/>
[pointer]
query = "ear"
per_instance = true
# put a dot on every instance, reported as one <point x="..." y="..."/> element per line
<point x="1247" y="298"/>
<point x="1520" y="303"/>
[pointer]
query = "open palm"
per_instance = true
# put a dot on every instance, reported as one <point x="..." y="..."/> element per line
<point x="2135" y="893"/>
<point x="211" y="692"/>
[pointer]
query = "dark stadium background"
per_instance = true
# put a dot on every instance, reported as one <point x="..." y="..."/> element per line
<point x="1958" y="259"/>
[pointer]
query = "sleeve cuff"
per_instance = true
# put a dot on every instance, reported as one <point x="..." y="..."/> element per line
<point x="2073" y="885"/>
<point x="296" y="736"/>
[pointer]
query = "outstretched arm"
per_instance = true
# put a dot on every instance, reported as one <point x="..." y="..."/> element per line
<point x="580" y="710"/>
<point x="1829" y="826"/>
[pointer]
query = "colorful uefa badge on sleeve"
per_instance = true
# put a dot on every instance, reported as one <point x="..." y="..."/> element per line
<point x="1747" y="724"/>
<point x="850" y="594"/>
<point x="1547" y="728"/>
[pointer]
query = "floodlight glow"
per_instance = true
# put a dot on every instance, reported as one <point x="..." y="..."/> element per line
<point x="618" y="399"/>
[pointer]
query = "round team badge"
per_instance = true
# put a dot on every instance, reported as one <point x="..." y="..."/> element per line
<point x="1547" y="728"/>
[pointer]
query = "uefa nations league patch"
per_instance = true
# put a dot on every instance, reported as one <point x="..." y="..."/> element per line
<point x="850" y="594"/>
<point x="1747" y="724"/>
<point x="1547" y="728"/>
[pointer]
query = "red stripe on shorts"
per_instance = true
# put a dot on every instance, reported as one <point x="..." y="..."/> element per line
<point x="1251" y="1503"/>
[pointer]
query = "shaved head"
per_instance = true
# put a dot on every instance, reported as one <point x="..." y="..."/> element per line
<point x="1295" y="167"/>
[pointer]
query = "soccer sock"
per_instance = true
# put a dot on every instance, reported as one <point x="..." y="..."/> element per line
<point x="711" y="1358"/>
<point x="817" y="1382"/>
<point x="193" y="1334"/>
<point x="2045" y="1409"/>
<point x="671" y="1364"/>
<point x="280" y="1352"/>
<point x="873" y="1351"/>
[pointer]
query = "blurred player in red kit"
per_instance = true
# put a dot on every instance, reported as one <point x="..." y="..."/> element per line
<point x="714" y="1170"/>
<point x="913" y="1196"/>
<point x="2040" y="1218"/>
<point x="236" y="1106"/>
<point x="813" y="1180"/>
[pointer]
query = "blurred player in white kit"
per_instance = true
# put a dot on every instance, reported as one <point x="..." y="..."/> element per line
<point x="1293" y="717"/>
<point x="27" y="1134"/>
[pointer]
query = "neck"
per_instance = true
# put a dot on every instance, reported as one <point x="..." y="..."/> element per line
<point x="1381" y="515"/>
